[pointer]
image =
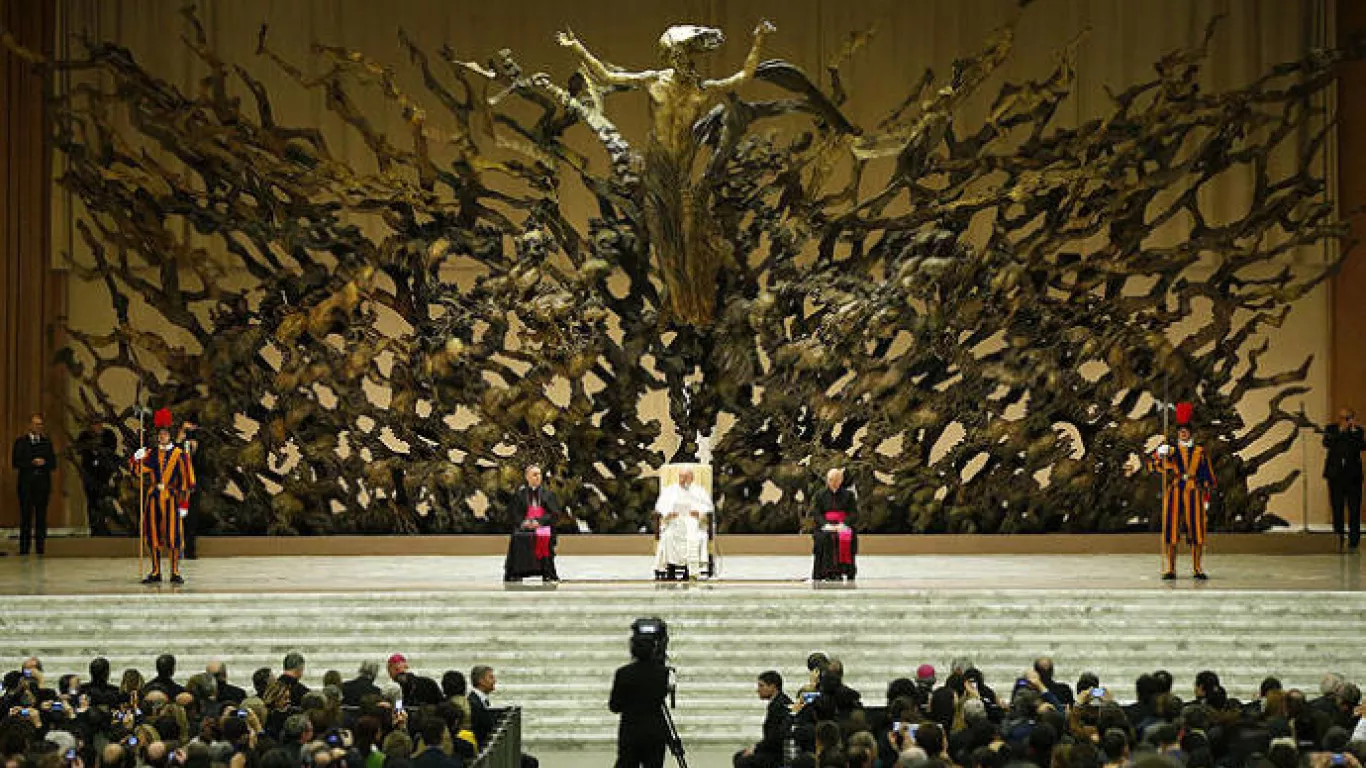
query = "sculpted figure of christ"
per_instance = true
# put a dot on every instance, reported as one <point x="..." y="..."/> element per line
<point x="686" y="247"/>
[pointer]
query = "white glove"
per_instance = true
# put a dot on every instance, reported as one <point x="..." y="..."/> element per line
<point x="184" y="511"/>
<point x="141" y="454"/>
<point x="1164" y="449"/>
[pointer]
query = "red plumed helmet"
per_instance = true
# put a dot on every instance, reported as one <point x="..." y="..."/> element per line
<point x="1184" y="412"/>
<point x="162" y="418"/>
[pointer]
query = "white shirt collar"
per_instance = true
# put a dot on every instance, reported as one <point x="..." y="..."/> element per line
<point x="484" y="697"/>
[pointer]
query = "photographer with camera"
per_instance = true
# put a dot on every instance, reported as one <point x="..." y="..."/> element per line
<point x="639" y="690"/>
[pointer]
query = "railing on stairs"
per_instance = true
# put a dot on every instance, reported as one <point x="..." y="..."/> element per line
<point x="504" y="749"/>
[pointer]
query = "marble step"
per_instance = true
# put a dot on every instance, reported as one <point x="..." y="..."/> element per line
<point x="684" y="596"/>
<point x="713" y="640"/>
<point x="555" y="651"/>
<point x="544" y="617"/>
<point x="723" y="618"/>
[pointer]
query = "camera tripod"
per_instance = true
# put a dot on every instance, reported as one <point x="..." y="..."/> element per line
<point x="675" y="741"/>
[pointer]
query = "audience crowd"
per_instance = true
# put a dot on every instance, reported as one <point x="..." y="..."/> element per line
<point x="1038" y="721"/>
<point x="411" y="721"/>
<point x="204" y="721"/>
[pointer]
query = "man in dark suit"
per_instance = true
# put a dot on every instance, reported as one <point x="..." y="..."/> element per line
<point x="364" y="684"/>
<point x="34" y="461"/>
<point x="1345" y="441"/>
<point x="101" y="693"/>
<point x="1044" y="666"/>
<point x="838" y="701"/>
<point x="164" y="681"/>
<point x="433" y="729"/>
<point x="483" y="715"/>
<point x="482" y="718"/>
<point x="97" y="449"/>
<point x="226" y="691"/>
<point x="292" y="677"/>
<point x="638" y="692"/>
<point x="768" y="753"/>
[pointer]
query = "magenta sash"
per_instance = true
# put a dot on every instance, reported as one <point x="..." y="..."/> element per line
<point x="845" y="535"/>
<point x="542" y="545"/>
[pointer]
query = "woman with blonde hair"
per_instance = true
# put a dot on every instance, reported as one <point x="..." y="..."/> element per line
<point x="132" y="682"/>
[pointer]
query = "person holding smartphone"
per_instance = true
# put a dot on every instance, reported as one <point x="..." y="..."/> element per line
<point x="1345" y="441"/>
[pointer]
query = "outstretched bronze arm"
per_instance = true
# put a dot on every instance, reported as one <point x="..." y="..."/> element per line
<point x="762" y="31"/>
<point x="601" y="71"/>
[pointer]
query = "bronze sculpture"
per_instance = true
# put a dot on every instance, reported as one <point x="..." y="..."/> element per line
<point x="724" y="265"/>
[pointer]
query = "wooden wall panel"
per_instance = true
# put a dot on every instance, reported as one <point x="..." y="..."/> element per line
<point x="32" y="294"/>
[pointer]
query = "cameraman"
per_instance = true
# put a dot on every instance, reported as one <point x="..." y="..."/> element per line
<point x="638" y="692"/>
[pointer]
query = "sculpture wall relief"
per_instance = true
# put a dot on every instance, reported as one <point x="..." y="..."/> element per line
<point x="973" y="316"/>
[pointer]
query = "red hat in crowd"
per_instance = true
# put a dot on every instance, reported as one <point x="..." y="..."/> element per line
<point x="924" y="672"/>
<point x="1184" y="412"/>
<point x="162" y="418"/>
<point x="397" y="660"/>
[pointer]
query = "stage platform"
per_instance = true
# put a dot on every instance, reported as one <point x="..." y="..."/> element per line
<point x="555" y="647"/>
<point x="1278" y="543"/>
<point x="598" y="573"/>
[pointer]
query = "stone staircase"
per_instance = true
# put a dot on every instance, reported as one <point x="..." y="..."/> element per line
<point x="555" y="650"/>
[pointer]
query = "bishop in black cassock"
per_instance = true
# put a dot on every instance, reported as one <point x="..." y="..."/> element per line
<point x="835" y="543"/>
<point x="532" y="514"/>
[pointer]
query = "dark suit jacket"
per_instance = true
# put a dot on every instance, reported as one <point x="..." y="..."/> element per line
<point x="1344" y="453"/>
<point x="777" y="723"/>
<point x="1062" y="690"/>
<point x="638" y="692"/>
<point x="168" y="686"/>
<point x="104" y="694"/>
<point x="482" y="720"/>
<point x="296" y="689"/>
<point x="230" y="692"/>
<point x="355" y="690"/>
<point x="433" y="757"/>
<point x="25" y="451"/>
<point x="418" y="690"/>
<point x="97" y="452"/>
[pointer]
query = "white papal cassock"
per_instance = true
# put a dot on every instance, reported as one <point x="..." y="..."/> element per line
<point x="682" y="537"/>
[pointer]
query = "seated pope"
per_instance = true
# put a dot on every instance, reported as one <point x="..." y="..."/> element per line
<point x="684" y="510"/>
